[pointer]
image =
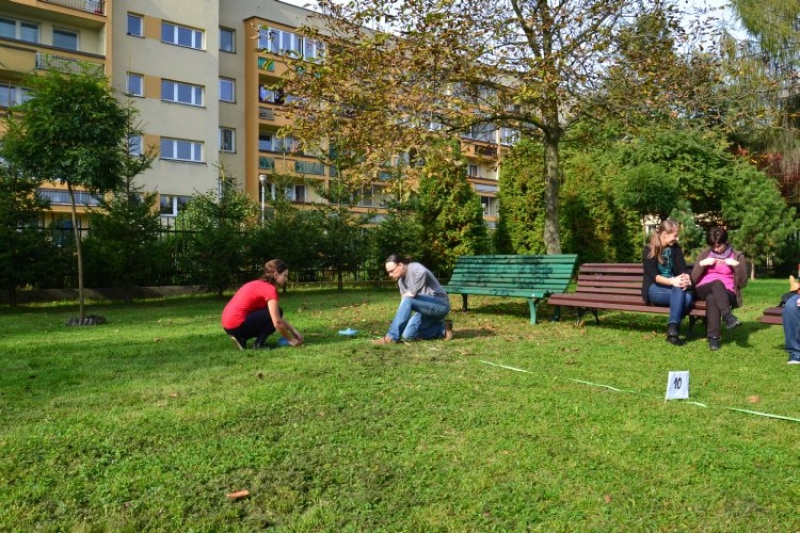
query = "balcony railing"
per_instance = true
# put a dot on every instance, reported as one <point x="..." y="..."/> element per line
<point x="266" y="163"/>
<point x="266" y="113"/>
<point x="90" y="6"/>
<point x="59" y="197"/>
<point x="68" y="64"/>
<point x="304" y="167"/>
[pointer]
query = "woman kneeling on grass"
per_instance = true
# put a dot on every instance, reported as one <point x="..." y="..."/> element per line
<point x="423" y="304"/>
<point x="253" y="311"/>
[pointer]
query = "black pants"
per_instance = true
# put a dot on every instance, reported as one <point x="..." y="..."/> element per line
<point x="257" y="324"/>
<point x="719" y="301"/>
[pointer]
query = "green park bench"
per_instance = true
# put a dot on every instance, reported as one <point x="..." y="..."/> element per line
<point x="532" y="277"/>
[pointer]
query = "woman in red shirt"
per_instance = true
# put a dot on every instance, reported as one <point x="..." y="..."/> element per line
<point x="254" y="312"/>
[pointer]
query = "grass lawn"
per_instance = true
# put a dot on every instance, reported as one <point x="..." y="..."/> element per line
<point x="148" y="422"/>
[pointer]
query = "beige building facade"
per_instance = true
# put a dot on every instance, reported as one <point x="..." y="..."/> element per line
<point x="200" y="72"/>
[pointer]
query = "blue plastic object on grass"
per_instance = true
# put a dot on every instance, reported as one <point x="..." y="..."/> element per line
<point x="283" y="342"/>
<point x="349" y="332"/>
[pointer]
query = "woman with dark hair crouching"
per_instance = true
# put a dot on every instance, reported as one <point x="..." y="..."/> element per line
<point x="423" y="304"/>
<point x="253" y="312"/>
<point x="719" y="274"/>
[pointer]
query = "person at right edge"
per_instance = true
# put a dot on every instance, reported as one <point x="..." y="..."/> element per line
<point x="719" y="275"/>
<point x="791" y="322"/>
<point x="666" y="280"/>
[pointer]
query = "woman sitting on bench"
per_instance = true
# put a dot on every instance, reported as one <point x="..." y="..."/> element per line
<point x="666" y="281"/>
<point x="719" y="275"/>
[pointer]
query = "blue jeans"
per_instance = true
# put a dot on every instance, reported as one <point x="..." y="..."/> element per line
<point x="677" y="299"/>
<point x="421" y="317"/>
<point x="791" y="328"/>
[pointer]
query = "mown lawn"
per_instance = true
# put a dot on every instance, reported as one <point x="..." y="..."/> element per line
<point x="148" y="422"/>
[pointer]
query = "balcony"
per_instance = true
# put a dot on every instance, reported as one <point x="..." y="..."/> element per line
<point x="60" y="197"/>
<point x="305" y="167"/>
<point x="266" y="113"/>
<point x="98" y="7"/>
<point x="46" y="61"/>
<point x="266" y="163"/>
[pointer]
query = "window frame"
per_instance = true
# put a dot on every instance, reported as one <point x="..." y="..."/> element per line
<point x="175" y="40"/>
<point x="232" y="131"/>
<point x="176" y="204"/>
<point x="195" y="147"/>
<point x="19" y="25"/>
<point x="17" y="95"/>
<point x="64" y="31"/>
<point x="176" y="93"/>
<point x="232" y="33"/>
<point x="135" y="145"/>
<point x="140" y="19"/>
<point x="232" y="83"/>
<point x="128" y="78"/>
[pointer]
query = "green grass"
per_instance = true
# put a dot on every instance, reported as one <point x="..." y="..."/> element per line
<point x="148" y="422"/>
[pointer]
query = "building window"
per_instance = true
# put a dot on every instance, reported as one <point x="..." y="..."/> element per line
<point x="181" y="93"/>
<point x="11" y="95"/>
<point x="170" y="206"/>
<point x="473" y="172"/>
<point x="227" y="90"/>
<point x="227" y="140"/>
<point x="135" y="145"/>
<point x="135" y="25"/>
<point x="280" y="42"/>
<point x="489" y="206"/>
<point x="181" y="36"/>
<point x="298" y="194"/>
<point x="268" y="142"/>
<point x="135" y="84"/>
<point x="65" y="39"/>
<point x="19" y="30"/>
<point x="227" y="40"/>
<point x="181" y="150"/>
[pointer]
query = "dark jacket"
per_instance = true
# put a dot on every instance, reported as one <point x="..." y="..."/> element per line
<point x="650" y="267"/>
<point x="740" y="272"/>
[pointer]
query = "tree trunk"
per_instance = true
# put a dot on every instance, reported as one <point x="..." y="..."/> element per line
<point x="552" y="237"/>
<point x="74" y="213"/>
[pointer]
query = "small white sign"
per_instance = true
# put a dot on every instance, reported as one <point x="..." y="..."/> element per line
<point x="678" y="385"/>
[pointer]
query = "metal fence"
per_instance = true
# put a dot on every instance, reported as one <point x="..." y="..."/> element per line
<point x="183" y="264"/>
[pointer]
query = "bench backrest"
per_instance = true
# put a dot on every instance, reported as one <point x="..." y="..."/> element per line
<point x="610" y="278"/>
<point x="547" y="273"/>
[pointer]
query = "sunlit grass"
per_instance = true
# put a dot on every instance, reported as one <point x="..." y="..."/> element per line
<point x="148" y="422"/>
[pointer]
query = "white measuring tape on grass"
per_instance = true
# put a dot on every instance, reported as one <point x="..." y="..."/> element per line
<point x="677" y="386"/>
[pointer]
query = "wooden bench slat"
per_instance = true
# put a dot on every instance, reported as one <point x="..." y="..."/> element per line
<point x="772" y="316"/>
<point x="614" y="286"/>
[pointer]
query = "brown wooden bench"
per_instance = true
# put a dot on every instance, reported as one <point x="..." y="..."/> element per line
<point x="615" y="286"/>
<point x="773" y="316"/>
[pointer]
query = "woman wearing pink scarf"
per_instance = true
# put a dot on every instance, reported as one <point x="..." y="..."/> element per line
<point x="719" y="274"/>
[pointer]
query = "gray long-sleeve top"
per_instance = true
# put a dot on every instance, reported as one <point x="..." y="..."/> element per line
<point x="420" y="280"/>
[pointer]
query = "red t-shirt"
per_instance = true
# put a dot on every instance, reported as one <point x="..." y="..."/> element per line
<point x="250" y="297"/>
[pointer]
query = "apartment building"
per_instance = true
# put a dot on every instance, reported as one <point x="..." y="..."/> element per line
<point x="201" y="74"/>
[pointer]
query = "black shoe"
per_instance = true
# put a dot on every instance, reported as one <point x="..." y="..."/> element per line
<point x="731" y="321"/>
<point x="675" y="341"/>
<point x="714" y="343"/>
<point x="673" y="330"/>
